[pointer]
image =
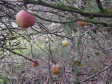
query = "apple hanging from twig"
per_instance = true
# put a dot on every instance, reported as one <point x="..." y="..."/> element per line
<point x="65" y="43"/>
<point x="56" y="69"/>
<point x="25" y="19"/>
<point x="82" y="23"/>
<point x="35" y="63"/>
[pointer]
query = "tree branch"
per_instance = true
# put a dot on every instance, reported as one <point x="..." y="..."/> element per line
<point x="70" y="9"/>
<point x="92" y="76"/>
<point x="99" y="4"/>
<point x="19" y="54"/>
<point x="64" y="22"/>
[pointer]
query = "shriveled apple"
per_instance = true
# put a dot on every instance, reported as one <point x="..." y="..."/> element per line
<point x="82" y="23"/>
<point x="56" y="69"/>
<point x="35" y="64"/>
<point x="65" y="43"/>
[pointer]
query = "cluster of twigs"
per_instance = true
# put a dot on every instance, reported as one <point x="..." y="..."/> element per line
<point x="89" y="41"/>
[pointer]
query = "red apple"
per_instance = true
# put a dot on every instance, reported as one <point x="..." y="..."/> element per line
<point x="25" y="19"/>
